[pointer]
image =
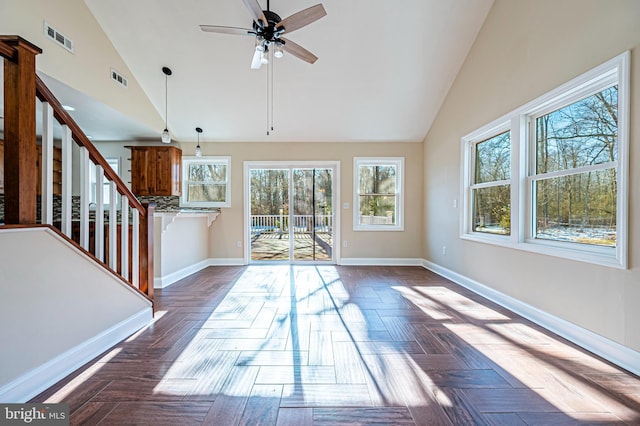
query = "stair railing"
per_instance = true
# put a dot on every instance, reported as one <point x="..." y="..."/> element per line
<point x="120" y="235"/>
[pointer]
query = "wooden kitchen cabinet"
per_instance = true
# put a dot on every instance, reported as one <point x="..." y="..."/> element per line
<point x="156" y="170"/>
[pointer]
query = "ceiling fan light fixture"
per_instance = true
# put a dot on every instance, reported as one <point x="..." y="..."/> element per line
<point x="259" y="44"/>
<point x="264" y="59"/>
<point x="198" y="149"/>
<point x="278" y="52"/>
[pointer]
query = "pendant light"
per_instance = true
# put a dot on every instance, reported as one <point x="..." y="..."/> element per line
<point x="198" y="150"/>
<point x="166" y="137"/>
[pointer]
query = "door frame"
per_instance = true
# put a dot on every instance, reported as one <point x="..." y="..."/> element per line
<point x="290" y="165"/>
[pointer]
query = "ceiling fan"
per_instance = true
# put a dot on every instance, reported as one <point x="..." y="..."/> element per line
<point x="268" y="28"/>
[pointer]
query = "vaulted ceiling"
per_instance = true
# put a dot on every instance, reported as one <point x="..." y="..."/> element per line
<point x="383" y="71"/>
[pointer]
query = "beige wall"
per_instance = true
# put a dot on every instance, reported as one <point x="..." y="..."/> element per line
<point x="228" y="227"/>
<point x="525" y="49"/>
<point x="43" y="302"/>
<point x="88" y="68"/>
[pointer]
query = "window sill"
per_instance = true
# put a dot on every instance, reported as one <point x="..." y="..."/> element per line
<point x="602" y="256"/>
<point x="379" y="228"/>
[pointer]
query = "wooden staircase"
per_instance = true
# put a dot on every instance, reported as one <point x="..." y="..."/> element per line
<point x="119" y="237"/>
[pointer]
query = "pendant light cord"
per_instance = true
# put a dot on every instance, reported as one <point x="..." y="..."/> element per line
<point x="166" y="101"/>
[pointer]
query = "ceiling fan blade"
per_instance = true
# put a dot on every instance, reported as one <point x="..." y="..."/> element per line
<point x="302" y="18"/>
<point x="298" y="51"/>
<point x="256" y="61"/>
<point x="226" y="30"/>
<point x="256" y="12"/>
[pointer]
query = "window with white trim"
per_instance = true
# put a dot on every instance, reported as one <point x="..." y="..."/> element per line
<point x="491" y="185"/>
<point x="573" y="172"/>
<point x="565" y="192"/>
<point x="378" y="194"/>
<point x="206" y="182"/>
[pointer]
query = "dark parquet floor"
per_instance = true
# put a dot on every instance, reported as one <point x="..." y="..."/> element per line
<point x="327" y="345"/>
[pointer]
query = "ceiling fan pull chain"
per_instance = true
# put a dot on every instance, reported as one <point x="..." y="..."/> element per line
<point x="273" y="69"/>
<point x="268" y="68"/>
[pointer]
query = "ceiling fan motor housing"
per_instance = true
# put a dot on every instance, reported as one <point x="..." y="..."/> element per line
<point x="269" y="31"/>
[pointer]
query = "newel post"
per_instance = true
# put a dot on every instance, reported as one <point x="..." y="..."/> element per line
<point x="146" y="250"/>
<point x="20" y="173"/>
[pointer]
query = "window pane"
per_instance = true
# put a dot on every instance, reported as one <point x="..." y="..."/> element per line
<point x="493" y="159"/>
<point x="377" y="210"/>
<point x="492" y="210"/>
<point x="580" y="134"/>
<point x="269" y="191"/>
<point x="203" y="192"/>
<point x="208" y="172"/>
<point x="378" y="179"/>
<point x="580" y="208"/>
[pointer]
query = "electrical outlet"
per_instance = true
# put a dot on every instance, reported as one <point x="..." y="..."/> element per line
<point x="239" y="244"/>
<point x="444" y="250"/>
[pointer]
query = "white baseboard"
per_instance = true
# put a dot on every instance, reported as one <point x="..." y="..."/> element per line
<point x="608" y="349"/>
<point x="356" y="261"/>
<point x="167" y="280"/>
<point x="30" y="384"/>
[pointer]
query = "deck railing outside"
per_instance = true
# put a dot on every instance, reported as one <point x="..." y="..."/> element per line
<point x="376" y="220"/>
<point x="302" y="223"/>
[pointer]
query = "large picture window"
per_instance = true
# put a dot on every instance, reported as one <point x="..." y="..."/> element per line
<point x="206" y="182"/>
<point x="378" y="198"/>
<point x="552" y="176"/>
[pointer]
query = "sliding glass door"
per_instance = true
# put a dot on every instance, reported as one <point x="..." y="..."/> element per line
<point x="291" y="212"/>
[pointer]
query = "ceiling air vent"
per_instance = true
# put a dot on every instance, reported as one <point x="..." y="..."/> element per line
<point x="119" y="78"/>
<point x="58" y="37"/>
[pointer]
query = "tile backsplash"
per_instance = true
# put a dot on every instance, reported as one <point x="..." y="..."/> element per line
<point x="163" y="204"/>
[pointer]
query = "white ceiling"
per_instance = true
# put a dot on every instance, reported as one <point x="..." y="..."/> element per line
<point x="383" y="71"/>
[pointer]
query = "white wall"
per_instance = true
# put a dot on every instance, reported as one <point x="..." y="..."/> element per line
<point x="525" y="49"/>
<point x="58" y="309"/>
<point x="180" y="246"/>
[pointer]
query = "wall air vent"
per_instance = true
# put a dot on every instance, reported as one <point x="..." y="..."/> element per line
<point x="119" y="78"/>
<point x="58" y="37"/>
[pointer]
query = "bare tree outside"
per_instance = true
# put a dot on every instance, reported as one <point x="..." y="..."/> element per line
<point x="492" y="199"/>
<point x="270" y="189"/>
<point x="378" y="187"/>
<point x="575" y="201"/>
<point x="207" y="182"/>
